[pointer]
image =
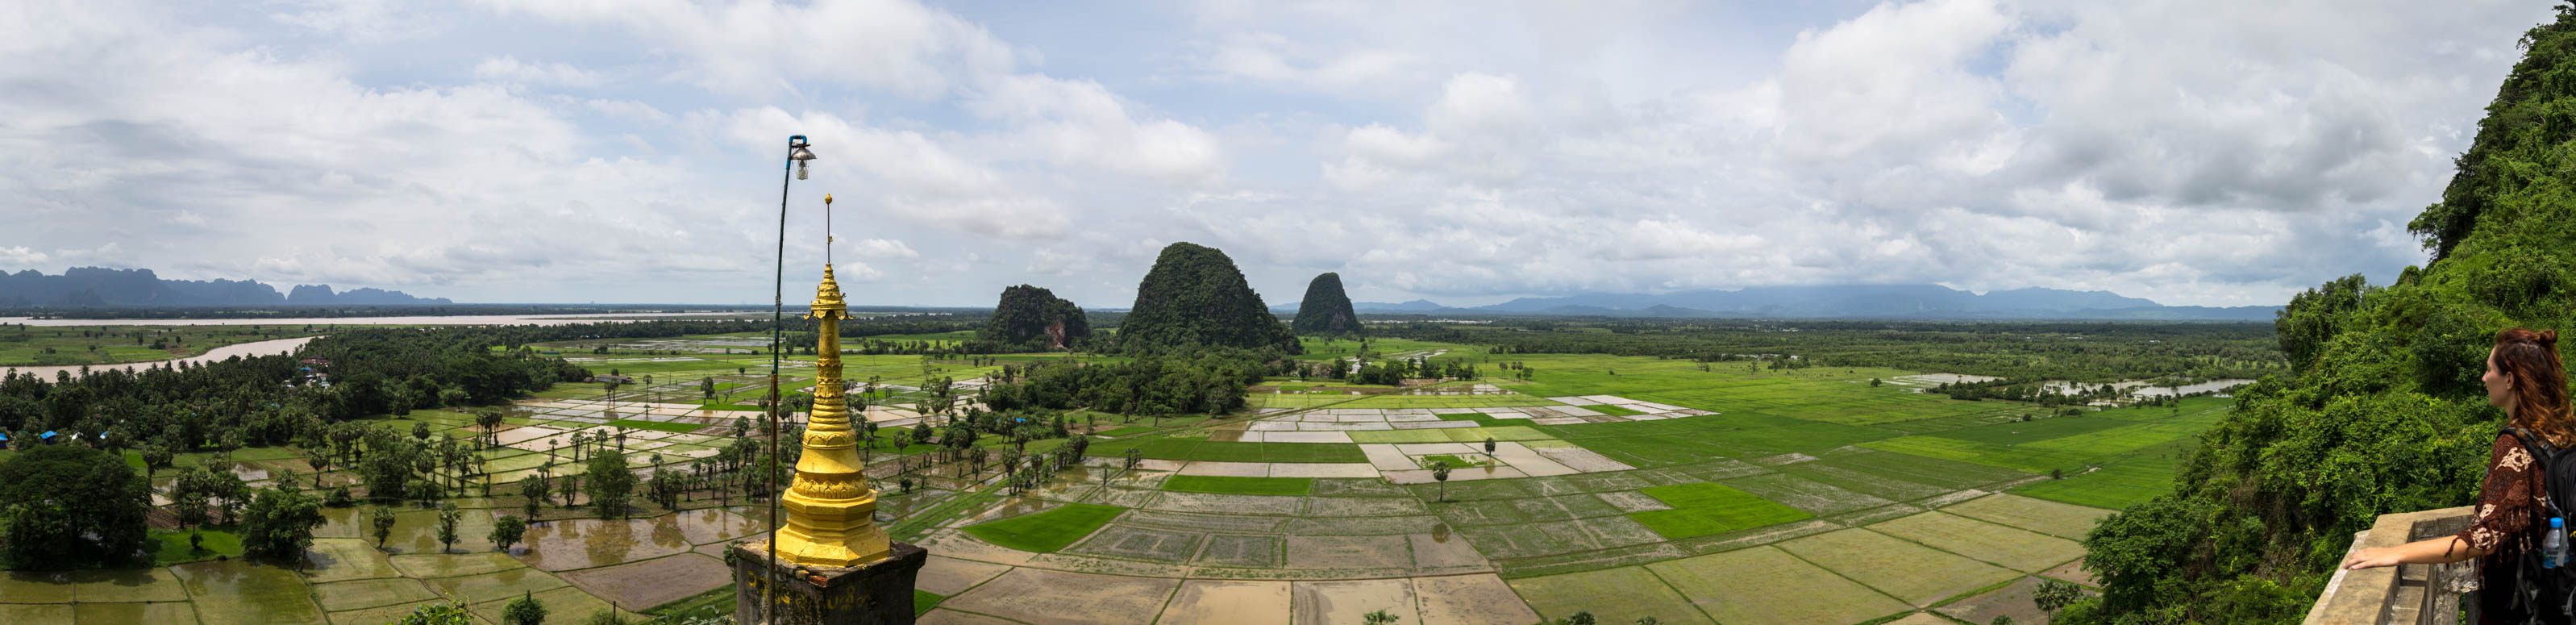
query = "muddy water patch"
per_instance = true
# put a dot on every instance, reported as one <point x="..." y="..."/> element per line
<point x="585" y="543"/>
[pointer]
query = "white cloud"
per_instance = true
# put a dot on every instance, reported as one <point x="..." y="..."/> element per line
<point x="20" y="256"/>
<point x="2199" y="151"/>
<point x="875" y="249"/>
<point x="507" y="68"/>
<point x="1079" y="123"/>
<point x="756" y="47"/>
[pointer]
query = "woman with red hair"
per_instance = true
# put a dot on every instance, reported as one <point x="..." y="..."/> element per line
<point x="2525" y="378"/>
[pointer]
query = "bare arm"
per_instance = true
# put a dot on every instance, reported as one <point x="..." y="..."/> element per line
<point x="2442" y="550"/>
<point x="2503" y="506"/>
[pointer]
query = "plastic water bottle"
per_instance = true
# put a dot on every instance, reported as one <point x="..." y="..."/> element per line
<point x="2553" y="549"/>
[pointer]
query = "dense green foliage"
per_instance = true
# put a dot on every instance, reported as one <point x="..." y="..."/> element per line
<point x="63" y="504"/>
<point x="1207" y="381"/>
<point x="2384" y="412"/>
<point x="450" y="613"/>
<point x="1326" y="309"/>
<point x="1194" y="297"/>
<point x="1031" y="319"/>
<point x="525" y="610"/>
<point x="280" y="524"/>
<point x="610" y="484"/>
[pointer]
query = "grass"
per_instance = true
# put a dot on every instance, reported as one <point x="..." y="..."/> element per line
<point x="1223" y="451"/>
<point x="1127" y="430"/>
<point x="172" y="547"/>
<point x="1454" y="461"/>
<point x="1703" y="509"/>
<point x="1240" y="485"/>
<point x="2118" y="483"/>
<point x="1610" y="410"/>
<point x="1046" y="532"/>
<point x="658" y="426"/>
<point x="924" y="601"/>
<point x="1451" y="435"/>
<point x="1646" y="444"/>
<point x="938" y="514"/>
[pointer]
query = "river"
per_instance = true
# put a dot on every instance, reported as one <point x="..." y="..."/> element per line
<point x="253" y="348"/>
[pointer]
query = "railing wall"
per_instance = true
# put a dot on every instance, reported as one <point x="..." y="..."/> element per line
<point x="2427" y="594"/>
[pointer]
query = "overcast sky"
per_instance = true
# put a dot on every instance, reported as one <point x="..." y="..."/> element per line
<point x="2201" y="152"/>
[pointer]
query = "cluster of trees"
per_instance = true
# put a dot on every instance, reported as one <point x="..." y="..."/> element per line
<point x="79" y="501"/>
<point x="67" y="504"/>
<point x="2382" y="411"/>
<point x="1206" y="381"/>
<point x="1392" y="372"/>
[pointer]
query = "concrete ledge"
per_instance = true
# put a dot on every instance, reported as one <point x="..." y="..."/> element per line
<point x="2411" y="593"/>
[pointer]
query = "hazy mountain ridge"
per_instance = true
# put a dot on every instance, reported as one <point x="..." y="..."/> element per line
<point x="99" y="286"/>
<point x="1909" y="301"/>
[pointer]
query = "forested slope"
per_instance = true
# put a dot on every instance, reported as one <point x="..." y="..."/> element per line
<point x="1195" y="297"/>
<point x="1034" y="319"/>
<point x="2383" y="411"/>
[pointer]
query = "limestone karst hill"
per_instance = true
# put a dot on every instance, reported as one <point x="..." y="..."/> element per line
<point x="1033" y="318"/>
<point x="1195" y="296"/>
<point x="1326" y="309"/>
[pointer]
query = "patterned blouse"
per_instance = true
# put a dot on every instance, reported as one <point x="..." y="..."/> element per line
<point x="2513" y="489"/>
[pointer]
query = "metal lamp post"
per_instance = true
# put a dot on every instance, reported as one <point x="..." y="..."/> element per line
<point x="798" y="153"/>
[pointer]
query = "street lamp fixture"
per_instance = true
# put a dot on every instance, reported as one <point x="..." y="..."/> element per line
<point x="796" y="152"/>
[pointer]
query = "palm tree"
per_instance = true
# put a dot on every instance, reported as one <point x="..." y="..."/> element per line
<point x="491" y="420"/>
<point x="1440" y="473"/>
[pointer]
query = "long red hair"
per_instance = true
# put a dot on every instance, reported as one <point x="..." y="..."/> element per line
<point x="2530" y="359"/>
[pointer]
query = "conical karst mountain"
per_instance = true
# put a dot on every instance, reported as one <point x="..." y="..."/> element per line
<point x="1034" y="318"/>
<point x="1326" y="310"/>
<point x="1195" y="297"/>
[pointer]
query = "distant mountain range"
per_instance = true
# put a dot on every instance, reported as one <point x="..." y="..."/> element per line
<point x="96" y="286"/>
<point x="1873" y="301"/>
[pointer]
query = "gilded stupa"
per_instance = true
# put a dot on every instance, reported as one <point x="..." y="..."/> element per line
<point x="830" y="507"/>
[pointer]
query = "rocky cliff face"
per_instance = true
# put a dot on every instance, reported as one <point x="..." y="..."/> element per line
<point x="1326" y="309"/>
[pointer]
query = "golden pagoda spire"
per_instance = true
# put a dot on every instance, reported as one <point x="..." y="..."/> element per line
<point x="830" y="508"/>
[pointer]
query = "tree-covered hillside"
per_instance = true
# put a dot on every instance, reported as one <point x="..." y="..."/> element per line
<point x="2382" y="411"/>
<point x="1031" y="319"/>
<point x="1326" y="310"/>
<point x="1195" y="297"/>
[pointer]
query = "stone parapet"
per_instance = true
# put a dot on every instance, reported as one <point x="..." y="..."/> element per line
<point x="2426" y="594"/>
